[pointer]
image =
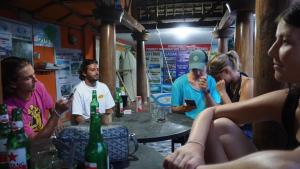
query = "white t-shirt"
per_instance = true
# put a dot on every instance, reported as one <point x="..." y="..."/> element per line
<point x="83" y="97"/>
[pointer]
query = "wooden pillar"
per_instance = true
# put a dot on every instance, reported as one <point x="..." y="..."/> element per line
<point x="142" y="87"/>
<point x="107" y="65"/>
<point x="267" y="135"/>
<point x="222" y="35"/>
<point x="244" y="40"/>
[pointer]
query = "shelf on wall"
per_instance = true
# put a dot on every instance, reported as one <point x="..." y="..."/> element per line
<point x="46" y="67"/>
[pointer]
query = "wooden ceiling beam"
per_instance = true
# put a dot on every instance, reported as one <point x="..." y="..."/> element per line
<point x="177" y="24"/>
<point x="7" y="5"/>
<point x="43" y="7"/>
<point x="75" y="13"/>
<point x="211" y="10"/>
<point x="64" y="17"/>
<point x="118" y="16"/>
<point x="72" y="1"/>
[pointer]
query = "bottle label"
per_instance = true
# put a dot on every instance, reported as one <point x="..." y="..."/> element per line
<point x="121" y="108"/>
<point x="17" y="158"/>
<point x="17" y="125"/>
<point x="3" y="158"/>
<point x="4" y="118"/>
<point x="89" y="165"/>
<point x="138" y="104"/>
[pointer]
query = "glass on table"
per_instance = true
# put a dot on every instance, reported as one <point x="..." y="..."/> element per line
<point x="158" y="112"/>
<point x="44" y="155"/>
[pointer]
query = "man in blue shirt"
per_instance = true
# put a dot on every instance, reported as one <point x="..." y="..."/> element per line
<point x="195" y="85"/>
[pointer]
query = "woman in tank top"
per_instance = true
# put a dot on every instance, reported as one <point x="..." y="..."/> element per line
<point x="232" y="84"/>
<point x="215" y="136"/>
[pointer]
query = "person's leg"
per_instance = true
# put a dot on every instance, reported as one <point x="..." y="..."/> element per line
<point x="226" y="142"/>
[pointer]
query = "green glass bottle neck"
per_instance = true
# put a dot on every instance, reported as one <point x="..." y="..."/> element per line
<point x="17" y="127"/>
<point x="94" y="107"/>
<point x="95" y="128"/>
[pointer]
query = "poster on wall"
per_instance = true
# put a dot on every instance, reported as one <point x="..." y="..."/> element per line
<point x="46" y="34"/>
<point x="166" y="65"/>
<point x="69" y="60"/>
<point x="5" y="44"/>
<point x="16" y="39"/>
<point x="153" y="70"/>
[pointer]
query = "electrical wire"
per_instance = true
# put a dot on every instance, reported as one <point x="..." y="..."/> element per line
<point x="163" y="53"/>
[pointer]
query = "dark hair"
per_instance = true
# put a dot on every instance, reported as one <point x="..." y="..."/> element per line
<point x="218" y="62"/>
<point x="10" y="68"/>
<point x="83" y="67"/>
<point x="291" y="15"/>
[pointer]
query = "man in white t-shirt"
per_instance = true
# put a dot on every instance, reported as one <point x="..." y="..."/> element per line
<point x="89" y="74"/>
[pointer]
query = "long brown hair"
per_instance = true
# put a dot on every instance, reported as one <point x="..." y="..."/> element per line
<point x="10" y="68"/>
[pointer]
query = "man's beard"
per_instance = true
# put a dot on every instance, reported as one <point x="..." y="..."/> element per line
<point x="92" y="79"/>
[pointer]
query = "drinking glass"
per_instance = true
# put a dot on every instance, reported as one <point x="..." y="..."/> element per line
<point x="158" y="112"/>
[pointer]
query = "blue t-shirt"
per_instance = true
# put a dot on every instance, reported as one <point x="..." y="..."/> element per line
<point x="182" y="89"/>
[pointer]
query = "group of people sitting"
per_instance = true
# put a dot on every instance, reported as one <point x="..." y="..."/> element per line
<point x="216" y="139"/>
<point x="22" y="89"/>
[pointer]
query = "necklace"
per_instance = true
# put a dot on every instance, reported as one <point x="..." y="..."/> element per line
<point x="234" y="88"/>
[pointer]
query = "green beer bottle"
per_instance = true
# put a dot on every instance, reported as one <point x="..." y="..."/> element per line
<point x="17" y="143"/>
<point x="119" y="103"/>
<point x="96" y="156"/>
<point x="94" y="106"/>
<point x="4" y="131"/>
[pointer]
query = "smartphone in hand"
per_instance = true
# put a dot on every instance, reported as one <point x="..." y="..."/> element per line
<point x="70" y="96"/>
<point x="190" y="102"/>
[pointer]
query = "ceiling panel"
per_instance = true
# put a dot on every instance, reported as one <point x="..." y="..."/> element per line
<point x="29" y="4"/>
<point x="83" y="8"/>
<point x="53" y="12"/>
<point x="80" y="12"/>
<point x="74" y="20"/>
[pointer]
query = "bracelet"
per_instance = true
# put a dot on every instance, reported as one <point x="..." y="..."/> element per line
<point x="197" y="142"/>
<point x="56" y="113"/>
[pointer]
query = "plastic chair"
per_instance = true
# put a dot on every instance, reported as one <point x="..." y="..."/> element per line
<point x="163" y="99"/>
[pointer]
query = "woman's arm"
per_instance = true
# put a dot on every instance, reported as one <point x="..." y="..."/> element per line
<point x="264" y="107"/>
<point x="262" y="160"/>
<point x="223" y="93"/>
<point x="246" y="88"/>
<point x="192" y="153"/>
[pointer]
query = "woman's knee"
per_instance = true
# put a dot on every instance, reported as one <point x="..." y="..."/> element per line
<point x="225" y="125"/>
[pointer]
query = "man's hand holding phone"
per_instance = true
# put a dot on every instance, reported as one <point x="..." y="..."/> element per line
<point x="189" y="105"/>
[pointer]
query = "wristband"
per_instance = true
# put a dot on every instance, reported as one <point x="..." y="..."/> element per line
<point x="197" y="142"/>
